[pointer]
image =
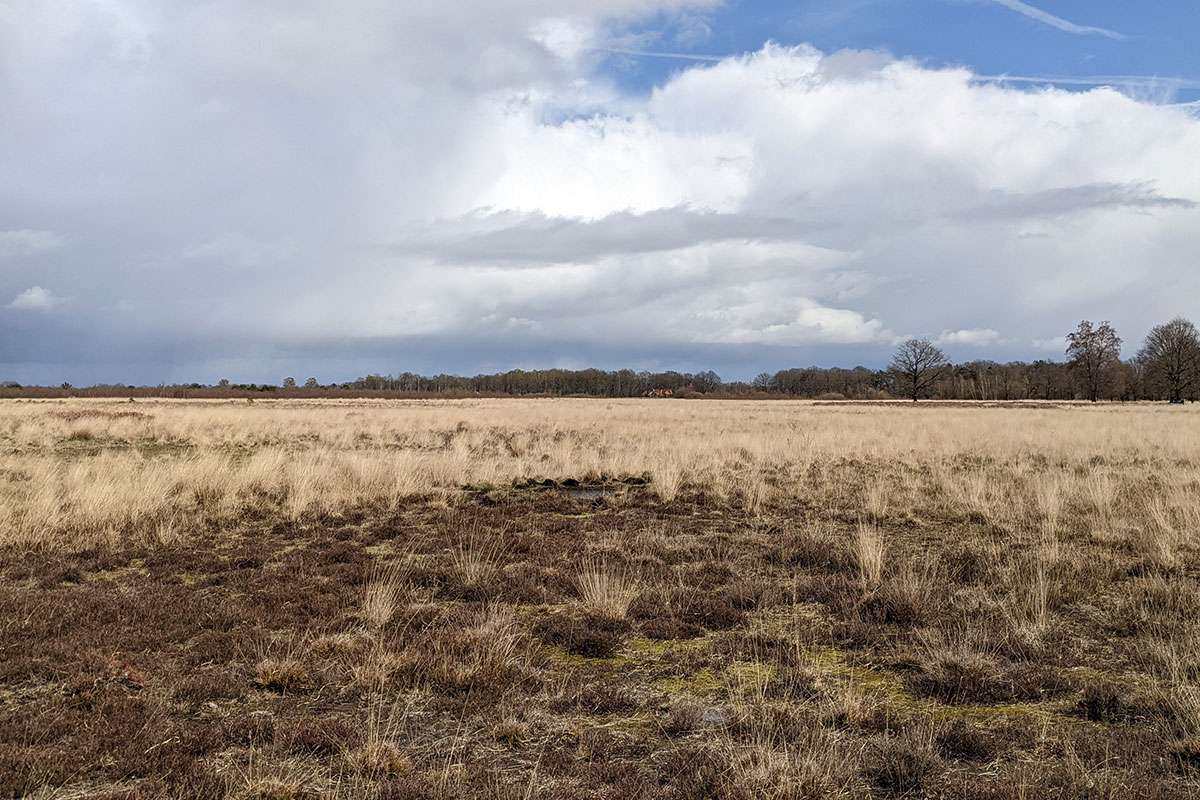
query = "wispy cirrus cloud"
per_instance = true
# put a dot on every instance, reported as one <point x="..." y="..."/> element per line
<point x="1061" y="24"/>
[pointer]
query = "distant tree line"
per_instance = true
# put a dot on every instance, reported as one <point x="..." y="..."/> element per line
<point x="595" y="382"/>
<point x="1166" y="368"/>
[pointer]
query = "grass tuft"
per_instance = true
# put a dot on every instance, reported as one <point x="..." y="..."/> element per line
<point x="607" y="590"/>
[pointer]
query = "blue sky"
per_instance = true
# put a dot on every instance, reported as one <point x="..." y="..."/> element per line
<point x="249" y="190"/>
<point x="1151" y="40"/>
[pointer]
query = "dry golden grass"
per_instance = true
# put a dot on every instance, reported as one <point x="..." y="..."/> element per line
<point x="869" y="554"/>
<point x="381" y="751"/>
<point x="775" y="599"/>
<point x="477" y="558"/>
<point x="382" y="596"/>
<point x="80" y="473"/>
<point x="260" y="778"/>
<point x="607" y="590"/>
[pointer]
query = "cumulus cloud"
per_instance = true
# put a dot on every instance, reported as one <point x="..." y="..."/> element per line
<point x="969" y="337"/>
<point x="294" y="176"/>
<point x="35" y="298"/>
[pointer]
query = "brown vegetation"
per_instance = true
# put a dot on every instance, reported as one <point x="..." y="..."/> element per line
<point x="598" y="599"/>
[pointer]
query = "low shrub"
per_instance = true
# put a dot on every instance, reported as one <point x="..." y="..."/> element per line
<point x="582" y="633"/>
<point x="900" y="765"/>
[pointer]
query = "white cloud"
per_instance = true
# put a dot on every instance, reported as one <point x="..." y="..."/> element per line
<point x="567" y="38"/>
<point x="788" y="321"/>
<point x="462" y="172"/>
<point x="36" y="298"/>
<point x="1133" y="82"/>
<point x="14" y="244"/>
<point x="969" y="337"/>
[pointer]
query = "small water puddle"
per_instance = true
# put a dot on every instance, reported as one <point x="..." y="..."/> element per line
<point x="574" y="488"/>
<point x="587" y="492"/>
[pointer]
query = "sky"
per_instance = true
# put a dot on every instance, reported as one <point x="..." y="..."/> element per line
<point x="194" y="191"/>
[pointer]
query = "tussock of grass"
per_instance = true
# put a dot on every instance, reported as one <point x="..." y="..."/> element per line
<point x="606" y="589"/>
<point x="383" y="595"/>
<point x="869" y="555"/>
<point x="477" y="558"/>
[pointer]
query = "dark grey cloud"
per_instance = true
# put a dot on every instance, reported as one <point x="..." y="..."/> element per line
<point x="536" y="238"/>
<point x="999" y="204"/>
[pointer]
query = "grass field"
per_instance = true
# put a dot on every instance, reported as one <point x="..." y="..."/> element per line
<point x="589" y="598"/>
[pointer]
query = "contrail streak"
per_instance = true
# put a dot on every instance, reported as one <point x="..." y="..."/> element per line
<point x="1057" y="22"/>
<point x="658" y="54"/>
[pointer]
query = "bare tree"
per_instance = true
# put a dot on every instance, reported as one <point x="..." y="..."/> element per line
<point x="708" y="381"/>
<point x="1093" y="353"/>
<point x="1170" y="358"/>
<point x="917" y="366"/>
<point x="289" y="383"/>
